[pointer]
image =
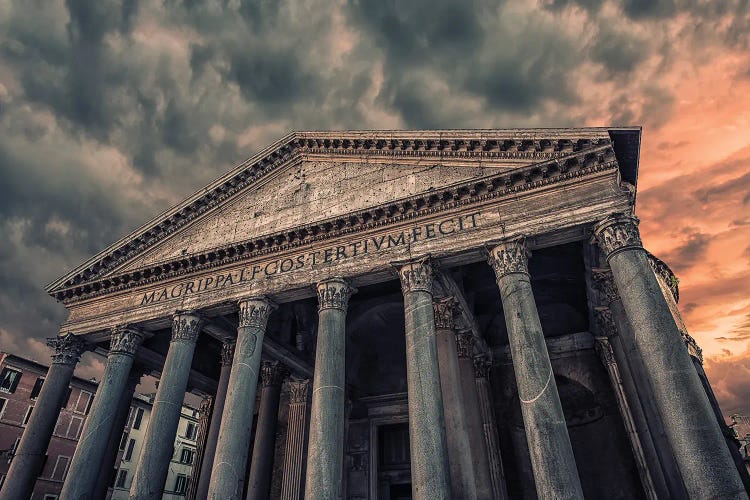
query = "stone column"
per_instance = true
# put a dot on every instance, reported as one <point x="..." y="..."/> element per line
<point x="430" y="472"/>
<point x="209" y="450"/>
<point x="607" y="356"/>
<point x="292" y="483"/>
<point x="272" y="376"/>
<point x="204" y="421"/>
<point x="482" y="367"/>
<point x="158" y="443"/>
<point x="29" y="456"/>
<point x="230" y="461"/>
<point x="552" y="459"/>
<point x="90" y="451"/>
<point x="475" y="430"/>
<point x="706" y="465"/>
<point x="325" y="454"/>
<point x="457" y="439"/>
<point x="663" y="468"/>
<point x="107" y="470"/>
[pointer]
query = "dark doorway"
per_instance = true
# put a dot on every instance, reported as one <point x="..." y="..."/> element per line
<point x="394" y="462"/>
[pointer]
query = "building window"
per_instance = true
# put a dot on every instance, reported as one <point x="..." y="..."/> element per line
<point x="138" y="418"/>
<point x="187" y="456"/>
<point x="27" y="416"/>
<point x="180" y="484"/>
<point x="50" y="496"/>
<point x="82" y="404"/>
<point x="2" y="406"/>
<point x="129" y="452"/>
<point x="9" y="379"/>
<point x="122" y="476"/>
<point x="13" y="449"/>
<point x="61" y="468"/>
<point x="191" y="430"/>
<point x="74" y="429"/>
<point x="37" y="388"/>
<point x="123" y="440"/>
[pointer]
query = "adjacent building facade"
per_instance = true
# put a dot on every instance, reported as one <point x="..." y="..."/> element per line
<point x="393" y="314"/>
<point x="131" y="443"/>
<point x="21" y="381"/>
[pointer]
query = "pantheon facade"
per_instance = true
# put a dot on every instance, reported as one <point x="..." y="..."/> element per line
<point x="462" y="314"/>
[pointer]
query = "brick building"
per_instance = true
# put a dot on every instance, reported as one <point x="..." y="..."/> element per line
<point x="20" y="383"/>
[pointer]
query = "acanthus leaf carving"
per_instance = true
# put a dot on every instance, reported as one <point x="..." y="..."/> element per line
<point x="186" y="326"/>
<point x="125" y="339"/>
<point x="445" y="311"/>
<point x="334" y="294"/>
<point x="509" y="257"/>
<point x="416" y="275"/>
<point x="616" y="233"/>
<point x="68" y="348"/>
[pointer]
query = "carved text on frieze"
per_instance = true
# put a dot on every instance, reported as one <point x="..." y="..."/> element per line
<point x="325" y="256"/>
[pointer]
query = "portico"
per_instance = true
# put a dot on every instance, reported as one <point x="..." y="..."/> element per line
<point x="419" y="310"/>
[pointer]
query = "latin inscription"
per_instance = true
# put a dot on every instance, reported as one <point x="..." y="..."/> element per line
<point x="326" y="256"/>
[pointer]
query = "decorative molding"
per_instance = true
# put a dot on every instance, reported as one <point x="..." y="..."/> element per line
<point x="272" y="373"/>
<point x="334" y="293"/>
<point x="68" y="349"/>
<point x="604" y="282"/>
<point x="125" y="339"/>
<point x="662" y="270"/>
<point x="206" y="406"/>
<point x="465" y="344"/>
<point x="416" y="275"/>
<point x="692" y="346"/>
<point x="186" y="326"/>
<point x="604" y="350"/>
<point x="616" y="233"/>
<point x="605" y="323"/>
<point x="92" y="281"/>
<point x="254" y="312"/>
<point x="227" y="352"/>
<point x="482" y="367"/>
<point x="509" y="257"/>
<point x="299" y="391"/>
<point x="445" y="310"/>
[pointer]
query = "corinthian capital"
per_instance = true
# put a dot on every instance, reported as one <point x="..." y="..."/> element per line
<point x="604" y="350"/>
<point x="227" y="352"/>
<point x="125" y="339"/>
<point x="272" y="373"/>
<point x="416" y="275"/>
<point x="299" y="391"/>
<point x="605" y="324"/>
<point x="605" y="283"/>
<point x="464" y="344"/>
<point x="616" y="233"/>
<point x="509" y="257"/>
<point x="482" y="367"/>
<point x="445" y="310"/>
<point x="68" y="349"/>
<point x="254" y="312"/>
<point x="334" y="293"/>
<point x="186" y="326"/>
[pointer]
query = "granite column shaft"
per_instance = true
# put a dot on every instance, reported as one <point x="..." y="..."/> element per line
<point x="89" y="456"/>
<point x="230" y="460"/>
<point x="259" y="483"/>
<point x="475" y="430"/>
<point x="706" y="465"/>
<point x="108" y="470"/>
<point x="552" y="459"/>
<point x="457" y="439"/>
<point x="292" y="483"/>
<point x="430" y="471"/>
<point x="156" y="452"/>
<point x="325" y="455"/>
<point x="29" y="456"/>
<point x="209" y="450"/>
<point x="482" y="367"/>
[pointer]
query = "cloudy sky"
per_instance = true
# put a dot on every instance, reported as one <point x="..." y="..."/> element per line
<point x="111" y="112"/>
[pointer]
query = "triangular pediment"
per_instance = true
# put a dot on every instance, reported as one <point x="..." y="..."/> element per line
<point x="313" y="178"/>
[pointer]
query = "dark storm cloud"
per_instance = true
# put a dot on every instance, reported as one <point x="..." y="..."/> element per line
<point x="112" y="111"/>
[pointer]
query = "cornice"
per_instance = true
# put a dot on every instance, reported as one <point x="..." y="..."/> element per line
<point x="663" y="270"/>
<point x="577" y="164"/>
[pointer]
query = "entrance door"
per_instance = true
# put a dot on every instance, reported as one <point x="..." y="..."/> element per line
<point x="394" y="462"/>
